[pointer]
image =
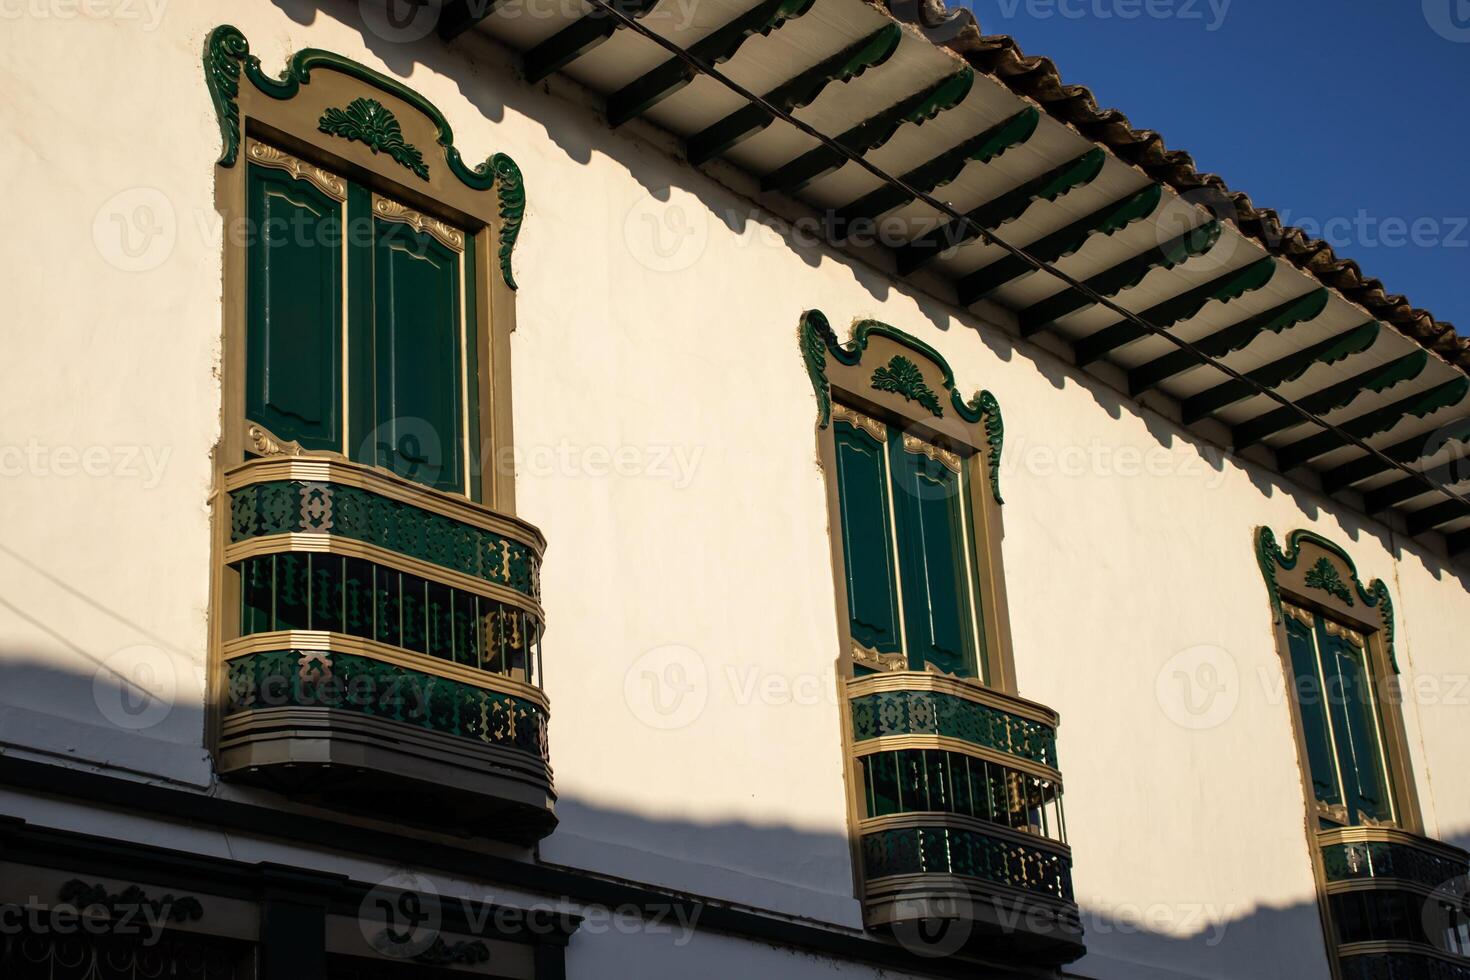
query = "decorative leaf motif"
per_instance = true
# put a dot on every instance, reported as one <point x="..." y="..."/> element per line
<point x="224" y="50"/>
<point x="814" y="328"/>
<point x="510" y="188"/>
<point x="903" y="377"/>
<point x="370" y="122"/>
<point x="1324" y="577"/>
<point x="985" y="406"/>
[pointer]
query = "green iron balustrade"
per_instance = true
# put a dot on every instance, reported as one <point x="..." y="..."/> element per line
<point x="936" y="781"/>
<point x="970" y="854"/>
<point x="1401" y="966"/>
<point x="347" y="682"/>
<point x="937" y="713"/>
<point x="303" y="506"/>
<point x="301" y="591"/>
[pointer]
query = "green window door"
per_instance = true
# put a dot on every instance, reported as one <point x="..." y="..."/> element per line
<point x="867" y="539"/>
<point x="293" y="308"/>
<point x="403" y="394"/>
<point x="932" y="540"/>
<point x="1312" y="702"/>
<point x="907" y="537"/>
<point x="1338" y="705"/>
<point x="416" y="346"/>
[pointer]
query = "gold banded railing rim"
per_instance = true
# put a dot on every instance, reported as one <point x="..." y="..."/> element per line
<point x="948" y="743"/>
<point x="326" y="543"/>
<point x="316" y="469"/>
<point x="1382" y="947"/>
<point x="928" y="820"/>
<point x="911" y="886"/>
<point x="288" y="640"/>
<point x="970" y="690"/>
<point x="1391" y="835"/>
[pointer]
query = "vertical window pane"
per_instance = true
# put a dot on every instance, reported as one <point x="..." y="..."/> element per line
<point x="417" y="356"/>
<point x="867" y="541"/>
<point x="1312" y="701"/>
<point x="932" y="543"/>
<point x="293" y="309"/>
<point x="1359" y="747"/>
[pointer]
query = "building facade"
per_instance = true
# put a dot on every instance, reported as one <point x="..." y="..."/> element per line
<point x="489" y="494"/>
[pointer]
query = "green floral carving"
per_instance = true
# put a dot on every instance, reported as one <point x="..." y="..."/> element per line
<point x="511" y="189"/>
<point x="814" y="332"/>
<point x="370" y="122"/>
<point x="227" y="55"/>
<point x="1375" y="596"/>
<point x="903" y="377"/>
<point x="1324" y="576"/>
<point x="984" y="406"/>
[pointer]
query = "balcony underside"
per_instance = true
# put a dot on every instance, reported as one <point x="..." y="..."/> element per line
<point x="390" y="769"/>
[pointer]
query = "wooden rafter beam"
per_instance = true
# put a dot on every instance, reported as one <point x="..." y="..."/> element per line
<point x="1043" y="314"/>
<point x="999" y="210"/>
<point x="940" y="170"/>
<point x="458" y="16"/>
<point x="1377" y="379"/>
<point x="1059" y="244"/>
<point x="657" y="84"/>
<point x="873" y="132"/>
<point x="1392" y="494"/>
<point x="801" y="90"/>
<point x="1281" y="371"/>
<point x="1235" y="337"/>
<point x="1406" y="451"/>
<point x="1222" y="289"/>
<point x="1418" y="405"/>
<point x="1435" y="515"/>
<point x="578" y="38"/>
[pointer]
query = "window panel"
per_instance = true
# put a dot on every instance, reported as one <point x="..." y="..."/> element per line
<point x="867" y="539"/>
<point x="1312" y="702"/>
<point x="1355" y="715"/>
<point x="416" y="320"/>
<point x="932" y="544"/>
<point x="293" y="309"/>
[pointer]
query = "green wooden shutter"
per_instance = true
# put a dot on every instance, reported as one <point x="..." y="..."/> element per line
<point x="1355" y="716"/>
<point x="1312" y="703"/>
<point x="416" y="336"/>
<point x="929" y="505"/>
<point x="867" y="539"/>
<point x="293" y="309"/>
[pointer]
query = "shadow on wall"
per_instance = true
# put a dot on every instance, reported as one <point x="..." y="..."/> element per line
<point x="55" y="710"/>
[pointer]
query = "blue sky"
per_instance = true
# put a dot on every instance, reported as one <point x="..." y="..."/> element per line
<point x="1350" y="117"/>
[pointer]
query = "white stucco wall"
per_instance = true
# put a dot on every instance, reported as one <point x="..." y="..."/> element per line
<point x="664" y="421"/>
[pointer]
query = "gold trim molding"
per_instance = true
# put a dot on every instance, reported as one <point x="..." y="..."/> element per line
<point x="873" y="660"/>
<point x="922" y="447"/>
<point x="960" y="687"/>
<point x="325" y="181"/>
<point x="391" y="210"/>
<point x="867" y="423"/>
<point x="317" y="468"/>
<point x="328" y="642"/>
<point x="307" y="542"/>
<point x="901" y="821"/>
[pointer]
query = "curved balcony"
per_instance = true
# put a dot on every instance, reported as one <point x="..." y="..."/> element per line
<point x="1397" y="903"/>
<point x="384" y="649"/>
<point x="960" y="814"/>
